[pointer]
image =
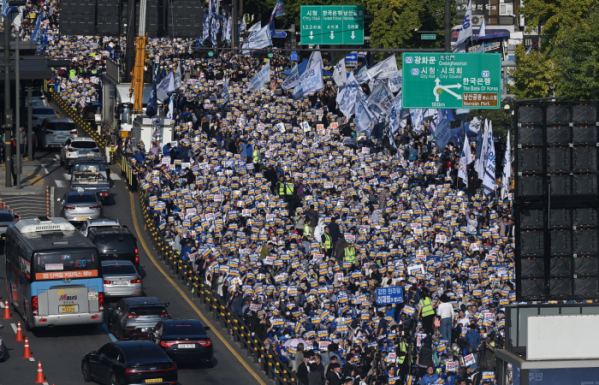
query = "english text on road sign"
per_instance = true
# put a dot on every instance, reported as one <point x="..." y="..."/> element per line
<point x="332" y="24"/>
<point x="457" y="80"/>
<point x="428" y="36"/>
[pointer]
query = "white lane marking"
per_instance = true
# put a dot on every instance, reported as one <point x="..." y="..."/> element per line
<point x="2" y="304"/>
<point x="32" y="359"/>
<point x="45" y="170"/>
<point x="56" y="156"/>
<point x="14" y="328"/>
<point x="114" y="176"/>
<point x="61" y="183"/>
<point x="66" y="176"/>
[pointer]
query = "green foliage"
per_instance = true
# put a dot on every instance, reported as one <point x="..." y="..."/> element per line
<point x="577" y="60"/>
<point x="502" y="120"/>
<point x="534" y="75"/>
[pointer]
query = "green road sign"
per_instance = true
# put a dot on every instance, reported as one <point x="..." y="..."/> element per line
<point x="426" y="36"/>
<point x="332" y="24"/>
<point x="451" y="80"/>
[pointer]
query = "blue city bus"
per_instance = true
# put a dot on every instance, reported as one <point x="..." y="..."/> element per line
<point x="53" y="274"/>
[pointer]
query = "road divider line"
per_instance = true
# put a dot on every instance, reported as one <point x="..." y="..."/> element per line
<point x="1" y="304"/>
<point x="14" y="328"/>
<point x="31" y="359"/>
<point x="193" y="305"/>
<point x="112" y="337"/>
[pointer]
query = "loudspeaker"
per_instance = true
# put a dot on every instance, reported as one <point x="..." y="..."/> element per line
<point x="560" y="218"/>
<point x="585" y="217"/>
<point x="560" y="266"/>
<point x="561" y="242"/>
<point x="584" y="184"/>
<point x="585" y="242"/>
<point x="584" y="159"/>
<point x="532" y="267"/>
<point x="561" y="184"/>
<point x="531" y="219"/>
<point x="584" y="113"/>
<point x="586" y="265"/>
<point x="529" y="114"/>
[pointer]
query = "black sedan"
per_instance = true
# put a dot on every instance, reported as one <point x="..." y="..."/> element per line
<point x="185" y="341"/>
<point x="129" y="362"/>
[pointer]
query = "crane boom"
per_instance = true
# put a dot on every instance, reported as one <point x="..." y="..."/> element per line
<point x="137" y="80"/>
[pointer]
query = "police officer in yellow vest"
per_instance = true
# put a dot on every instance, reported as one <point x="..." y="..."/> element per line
<point x="327" y="242"/>
<point x="427" y="313"/>
<point x="256" y="159"/>
<point x="402" y="353"/>
<point x="350" y="254"/>
<point x="280" y="190"/>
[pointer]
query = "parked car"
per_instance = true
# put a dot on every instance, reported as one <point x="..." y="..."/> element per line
<point x="129" y="362"/>
<point x="184" y="341"/>
<point x="77" y="148"/>
<point x="54" y="132"/>
<point x="121" y="279"/>
<point x="79" y="206"/>
<point x="133" y="318"/>
<point x="116" y="244"/>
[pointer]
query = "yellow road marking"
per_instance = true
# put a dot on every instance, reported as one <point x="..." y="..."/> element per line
<point x="193" y="306"/>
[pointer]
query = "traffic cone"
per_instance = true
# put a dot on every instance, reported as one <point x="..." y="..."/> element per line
<point x="27" y="352"/>
<point x="40" y="374"/>
<point x="6" y="311"/>
<point x="19" y="333"/>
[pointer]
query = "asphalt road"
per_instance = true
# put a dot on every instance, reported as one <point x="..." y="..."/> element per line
<point x="60" y="349"/>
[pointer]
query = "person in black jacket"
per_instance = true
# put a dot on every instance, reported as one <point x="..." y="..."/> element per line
<point x="334" y="230"/>
<point x="302" y="370"/>
<point x="334" y="374"/>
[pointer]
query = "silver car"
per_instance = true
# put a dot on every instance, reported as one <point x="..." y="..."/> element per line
<point x="56" y="131"/>
<point x="40" y="113"/>
<point x="79" y="206"/>
<point x="94" y="223"/>
<point x="78" y="148"/>
<point x="121" y="279"/>
<point x="6" y="219"/>
<point x="133" y="318"/>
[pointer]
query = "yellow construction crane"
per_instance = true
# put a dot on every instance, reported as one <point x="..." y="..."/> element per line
<point x="137" y="79"/>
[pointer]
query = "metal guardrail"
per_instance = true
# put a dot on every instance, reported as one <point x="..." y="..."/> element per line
<point x="267" y="360"/>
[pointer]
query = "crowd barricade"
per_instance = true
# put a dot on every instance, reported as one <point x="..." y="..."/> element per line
<point x="231" y="323"/>
<point x="78" y="119"/>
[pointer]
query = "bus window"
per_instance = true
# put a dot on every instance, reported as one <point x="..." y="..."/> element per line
<point x="67" y="264"/>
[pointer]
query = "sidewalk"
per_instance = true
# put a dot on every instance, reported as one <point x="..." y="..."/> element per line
<point x="32" y="181"/>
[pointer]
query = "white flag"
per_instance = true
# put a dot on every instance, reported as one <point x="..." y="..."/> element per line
<point x="346" y="97"/>
<point x="225" y="94"/>
<point x="465" y="160"/>
<point x="364" y="117"/>
<point x="166" y="86"/>
<point x="482" y="31"/>
<point x="261" y="77"/>
<point x="507" y="170"/>
<point x="292" y="79"/>
<point x="315" y="57"/>
<point x="255" y="28"/>
<point x="243" y="26"/>
<point x="178" y="82"/>
<point x="387" y="65"/>
<point x="489" y="177"/>
<point x="466" y="31"/>
<point x="339" y="73"/>
<point x="311" y="80"/>
<point x="171" y="108"/>
<point x="380" y="100"/>
<point x="479" y="164"/>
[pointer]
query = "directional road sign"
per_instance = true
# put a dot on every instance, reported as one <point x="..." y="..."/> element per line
<point x="428" y="36"/>
<point x="455" y="80"/>
<point x="332" y="24"/>
<point x="351" y="60"/>
<point x="280" y="34"/>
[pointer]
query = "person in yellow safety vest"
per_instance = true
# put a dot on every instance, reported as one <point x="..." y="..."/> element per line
<point x="256" y="159"/>
<point x="327" y="242"/>
<point x="281" y="187"/>
<point x="426" y="311"/>
<point x="350" y="254"/>
<point x="72" y="73"/>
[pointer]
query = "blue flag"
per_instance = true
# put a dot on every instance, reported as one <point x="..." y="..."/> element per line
<point x="279" y="10"/>
<point x="151" y="107"/>
<point x="37" y="31"/>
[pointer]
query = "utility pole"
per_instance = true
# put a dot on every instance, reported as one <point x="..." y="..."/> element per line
<point x="130" y="53"/>
<point x="29" y="123"/>
<point x="235" y="29"/>
<point x="18" y="108"/>
<point x="7" y="111"/>
<point x="447" y="26"/>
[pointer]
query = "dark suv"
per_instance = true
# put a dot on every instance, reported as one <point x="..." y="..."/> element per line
<point x="115" y="244"/>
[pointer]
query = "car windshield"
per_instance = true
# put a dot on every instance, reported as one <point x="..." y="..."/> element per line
<point x="61" y="126"/>
<point x="184" y="329"/>
<point x="81" y="198"/>
<point x="146" y="353"/>
<point x="121" y="242"/>
<point x="43" y="111"/>
<point x="118" y="269"/>
<point x="6" y="218"/>
<point x="83" y="144"/>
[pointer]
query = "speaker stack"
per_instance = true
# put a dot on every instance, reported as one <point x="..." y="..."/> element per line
<point x="557" y="201"/>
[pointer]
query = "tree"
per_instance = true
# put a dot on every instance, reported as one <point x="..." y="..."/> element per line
<point x="502" y="120"/>
<point x="534" y="75"/>
<point x="576" y="58"/>
<point x="554" y="16"/>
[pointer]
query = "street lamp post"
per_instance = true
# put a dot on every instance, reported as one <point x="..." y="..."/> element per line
<point x="17" y="35"/>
